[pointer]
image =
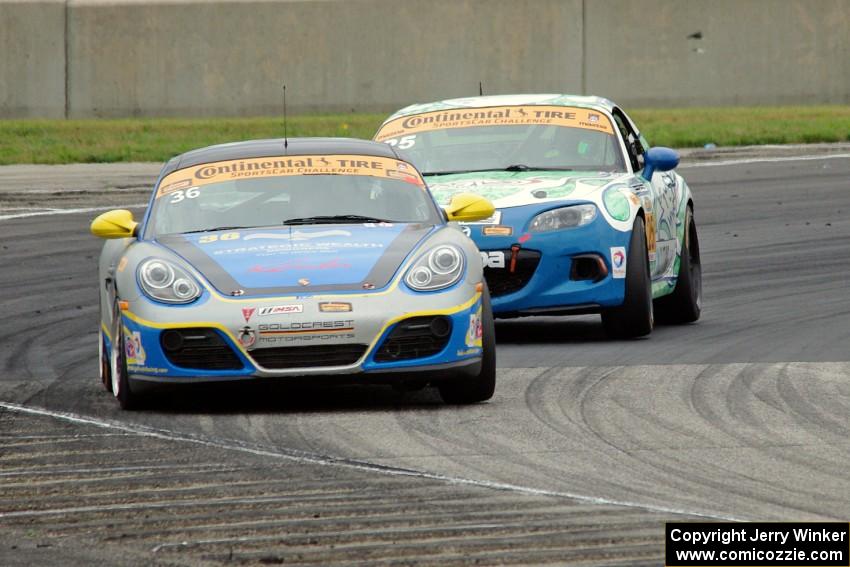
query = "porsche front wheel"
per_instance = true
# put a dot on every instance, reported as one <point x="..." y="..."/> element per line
<point x="118" y="364"/>
<point x="481" y="387"/>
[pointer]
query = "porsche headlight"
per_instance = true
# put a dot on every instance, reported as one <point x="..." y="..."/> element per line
<point x="565" y="217"/>
<point x="164" y="281"/>
<point x="440" y="267"/>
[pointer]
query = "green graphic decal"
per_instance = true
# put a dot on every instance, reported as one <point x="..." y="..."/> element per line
<point x="616" y="203"/>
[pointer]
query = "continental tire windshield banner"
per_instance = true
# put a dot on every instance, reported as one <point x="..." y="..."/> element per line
<point x="281" y="166"/>
<point x="496" y="116"/>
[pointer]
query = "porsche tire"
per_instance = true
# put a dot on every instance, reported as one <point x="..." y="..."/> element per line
<point x="635" y="317"/>
<point x="684" y="305"/>
<point x="118" y="365"/>
<point x="105" y="364"/>
<point x="465" y="390"/>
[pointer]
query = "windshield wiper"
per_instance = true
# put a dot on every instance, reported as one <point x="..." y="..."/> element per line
<point x="515" y="167"/>
<point x="333" y="219"/>
<point x="523" y="167"/>
<point x="425" y="173"/>
<point x="216" y="228"/>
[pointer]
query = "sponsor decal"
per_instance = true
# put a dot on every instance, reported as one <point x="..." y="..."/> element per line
<point x="299" y="235"/>
<point x="498" y="230"/>
<point x="299" y="265"/>
<point x="334" y="307"/>
<point x="466" y="230"/>
<point x="247" y="312"/>
<point x="133" y="349"/>
<point x="650" y="233"/>
<point x="494" y="259"/>
<point x="122" y="263"/>
<point x="618" y="262"/>
<point x="299" y="327"/>
<point x="469" y="351"/>
<point x="475" y="330"/>
<point x="285" y="339"/>
<point x="495" y="116"/>
<point x="146" y="369"/>
<point x="281" y="310"/>
<point x="296" y="248"/>
<point x="281" y="166"/>
<point x="174" y="185"/>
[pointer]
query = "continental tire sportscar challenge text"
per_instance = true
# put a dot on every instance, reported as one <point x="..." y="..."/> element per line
<point x="273" y="259"/>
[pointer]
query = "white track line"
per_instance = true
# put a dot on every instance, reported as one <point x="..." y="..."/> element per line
<point x="326" y="460"/>
<point x="741" y="161"/>
<point x="41" y="213"/>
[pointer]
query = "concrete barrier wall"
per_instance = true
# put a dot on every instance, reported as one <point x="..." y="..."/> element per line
<point x="751" y="51"/>
<point x="32" y="59"/>
<point x="230" y="57"/>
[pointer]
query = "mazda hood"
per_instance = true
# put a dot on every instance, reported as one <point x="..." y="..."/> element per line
<point x="514" y="189"/>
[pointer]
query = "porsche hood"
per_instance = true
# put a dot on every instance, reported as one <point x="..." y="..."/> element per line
<point x="299" y="259"/>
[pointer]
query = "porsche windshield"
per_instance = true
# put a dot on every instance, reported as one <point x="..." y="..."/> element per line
<point x="512" y="138"/>
<point x="277" y="191"/>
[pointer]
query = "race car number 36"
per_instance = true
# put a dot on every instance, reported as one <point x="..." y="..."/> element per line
<point x="493" y="259"/>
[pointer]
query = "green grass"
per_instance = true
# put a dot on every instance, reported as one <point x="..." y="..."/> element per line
<point x="738" y="126"/>
<point x="90" y="141"/>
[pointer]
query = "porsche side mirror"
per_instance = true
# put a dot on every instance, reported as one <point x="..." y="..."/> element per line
<point x="659" y="159"/>
<point x="468" y="207"/>
<point x="114" y="224"/>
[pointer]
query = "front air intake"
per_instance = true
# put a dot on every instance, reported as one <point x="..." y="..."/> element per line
<point x="417" y="337"/>
<point x="202" y="349"/>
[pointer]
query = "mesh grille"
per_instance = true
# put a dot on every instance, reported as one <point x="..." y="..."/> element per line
<point x="416" y="337"/>
<point x="502" y="282"/>
<point x="279" y="358"/>
<point x="202" y="349"/>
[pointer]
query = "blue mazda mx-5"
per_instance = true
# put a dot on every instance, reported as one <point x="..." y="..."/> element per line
<point x="589" y="218"/>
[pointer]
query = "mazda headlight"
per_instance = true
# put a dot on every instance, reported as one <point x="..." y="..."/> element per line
<point x="565" y="217"/>
<point x="440" y="267"/>
<point x="164" y="281"/>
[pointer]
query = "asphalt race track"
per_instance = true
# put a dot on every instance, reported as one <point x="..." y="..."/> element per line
<point x="588" y="446"/>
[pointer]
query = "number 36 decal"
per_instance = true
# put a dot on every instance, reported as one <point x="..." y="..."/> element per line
<point x="189" y="193"/>
<point x="493" y="259"/>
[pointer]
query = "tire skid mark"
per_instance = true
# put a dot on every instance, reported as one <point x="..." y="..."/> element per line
<point x="326" y="460"/>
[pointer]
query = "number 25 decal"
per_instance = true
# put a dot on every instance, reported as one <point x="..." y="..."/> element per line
<point x="189" y="193"/>
<point x="403" y="143"/>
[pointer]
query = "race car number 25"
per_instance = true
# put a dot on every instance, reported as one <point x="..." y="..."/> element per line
<point x="493" y="259"/>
